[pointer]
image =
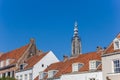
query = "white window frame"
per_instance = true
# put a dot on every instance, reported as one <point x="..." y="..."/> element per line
<point x="21" y="77"/>
<point x="93" y="64"/>
<point x="76" y="67"/>
<point x="26" y="77"/>
<point x="116" y="66"/>
<point x="116" y="44"/>
<point x="51" y="73"/>
<point x="30" y="76"/>
<point x="42" y="75"/>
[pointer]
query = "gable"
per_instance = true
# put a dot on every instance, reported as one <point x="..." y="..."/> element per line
<point x="111" y="47"/>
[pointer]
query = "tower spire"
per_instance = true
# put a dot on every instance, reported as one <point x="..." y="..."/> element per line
<point x="76" y="42"/>
<point x="75" y="29"/>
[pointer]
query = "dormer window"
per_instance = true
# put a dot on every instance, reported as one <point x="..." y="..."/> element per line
<point x="116" y="44"/>
<point x="51" y="73"/>
<point x="76" y="67"/>
<point x="93" y="64"/>
<point x="22" y="66"/>
<point x="42" y="75"/>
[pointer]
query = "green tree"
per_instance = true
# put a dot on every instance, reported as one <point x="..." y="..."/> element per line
<point x="7" y="78"/>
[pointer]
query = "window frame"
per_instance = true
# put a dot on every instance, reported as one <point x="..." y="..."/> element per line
<point x="76" y="67"/>
<point x="21" y="77"/>
<point x="30" y="76"/>
<point x="116" y="43"/>
<point x="116" y="65"/>
<point x="51" y="73"/>
<point x="25" y="77"/>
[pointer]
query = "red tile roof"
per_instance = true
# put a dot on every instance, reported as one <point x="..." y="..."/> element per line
<point x="37" y="78"/>
<point x="15" y="54"/>
<point x="66" y="66"/>
<point x="110" y="48"/>
<point x="34" y="59"/>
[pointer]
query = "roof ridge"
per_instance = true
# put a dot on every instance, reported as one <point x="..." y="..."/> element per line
<point x="15" y="49"/>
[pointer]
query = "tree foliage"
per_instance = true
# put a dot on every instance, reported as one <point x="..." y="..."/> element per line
<point x="7" y="78"/>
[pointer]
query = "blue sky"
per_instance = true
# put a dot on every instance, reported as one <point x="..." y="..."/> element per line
<point x="51" y="23"/>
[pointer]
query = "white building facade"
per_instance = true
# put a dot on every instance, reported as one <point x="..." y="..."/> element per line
<point x="83" y="76"/>
<point x="111" y="61"/>
<point x="32" y="73"/>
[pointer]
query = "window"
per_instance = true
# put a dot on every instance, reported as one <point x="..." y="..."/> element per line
<point x="92" y="79"/>
<point x="42" y="75"/>
<point x="116" y="44"/>
<point x="21" y="77"/>
<point x="21" y="67"/>
<point x="30" y="76"/>
<point x="76" y="66"/>
<point x="51" y="73"/>
<point x="25" y="77"/>
<point x="116" y="66"/>
<point x="93" y="64"/>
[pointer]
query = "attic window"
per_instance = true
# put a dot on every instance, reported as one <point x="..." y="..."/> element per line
<point x="116" y="44"/>
<point x="93" y="64"/>
<point x="76" y="67"/>
<point x="42" y="75"/>
<point x="51" y="73"/>
<point x="21" y="67"/>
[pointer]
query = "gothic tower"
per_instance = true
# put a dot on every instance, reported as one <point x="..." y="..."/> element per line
<point x="76" y="42"/>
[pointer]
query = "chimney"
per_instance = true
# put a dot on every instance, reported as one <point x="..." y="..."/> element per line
<point x="99" y="48"/>
<point x="65" y="58"/>
<point x="39" y="52"/>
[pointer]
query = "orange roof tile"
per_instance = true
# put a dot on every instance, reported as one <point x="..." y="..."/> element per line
<point x="34" y="59"/>
<point x="15" y="54"/>
<point x="66" y="66"/>
<point x="110" y="48"/>
<point x="118" y="36"/>
<point x="37" y="78"/>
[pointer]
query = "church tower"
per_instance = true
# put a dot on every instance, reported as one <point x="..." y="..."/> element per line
<point x="76" y="42"/>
